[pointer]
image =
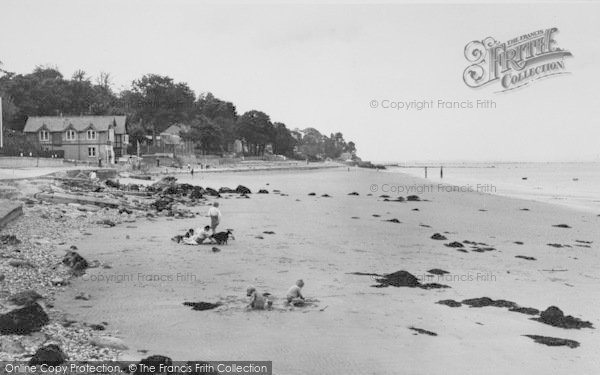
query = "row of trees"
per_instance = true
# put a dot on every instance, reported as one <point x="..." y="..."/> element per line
<point x="152" y="104"/>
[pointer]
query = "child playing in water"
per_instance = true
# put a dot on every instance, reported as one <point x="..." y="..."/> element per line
<point x="258" y="301"/>
<point x="294" y="295"/>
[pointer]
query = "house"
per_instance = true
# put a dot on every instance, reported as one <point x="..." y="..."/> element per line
<point x="172" y="141"/>
<point x="87" y="138"/>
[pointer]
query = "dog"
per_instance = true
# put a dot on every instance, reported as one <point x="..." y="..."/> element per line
<point x="222" y="237"/>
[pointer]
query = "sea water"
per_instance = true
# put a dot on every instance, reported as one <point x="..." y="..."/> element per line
<point x="576" y="185"/>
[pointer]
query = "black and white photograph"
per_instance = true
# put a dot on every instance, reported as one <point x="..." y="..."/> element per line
<point x="299" y="187"/>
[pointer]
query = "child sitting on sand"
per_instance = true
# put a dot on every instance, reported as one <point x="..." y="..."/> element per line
<point x="294" y="295"/>
<point x="198" y="236"/>
<point x="258" y="301"/>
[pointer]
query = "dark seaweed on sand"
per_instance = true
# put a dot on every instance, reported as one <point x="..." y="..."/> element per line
<point x="200" y="306"/>
<point x="555" y="317"/>
<point x="423" y="331"/>
<point x="553" y="341"/>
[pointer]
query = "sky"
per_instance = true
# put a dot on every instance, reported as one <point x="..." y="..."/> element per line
<point x="310" y="64"/>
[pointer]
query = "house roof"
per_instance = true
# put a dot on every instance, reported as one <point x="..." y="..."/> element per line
<point x="79" y="123"/>
<point x="176" y="129"/>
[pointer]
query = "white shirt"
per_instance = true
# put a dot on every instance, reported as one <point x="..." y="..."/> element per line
<point x="214" y="211"/>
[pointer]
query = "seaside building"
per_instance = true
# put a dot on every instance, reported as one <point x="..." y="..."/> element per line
<point x="85" y="138"/>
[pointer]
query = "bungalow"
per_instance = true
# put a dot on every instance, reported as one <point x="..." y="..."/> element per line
<point x="87" y="138"/>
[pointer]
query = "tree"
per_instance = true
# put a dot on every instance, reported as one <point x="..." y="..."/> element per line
<point x="205" y="134"/>
<point x="158" y="102"/>
<point x="283" y="142"/>
<point x="256" y="129"/>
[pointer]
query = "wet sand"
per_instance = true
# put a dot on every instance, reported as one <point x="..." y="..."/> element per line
<point x="321" y="240"/>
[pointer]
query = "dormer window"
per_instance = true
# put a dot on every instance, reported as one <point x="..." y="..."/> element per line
<point x="71" y="135"/>
<point x="91" y="134"/>
<point x="44" y="135"/>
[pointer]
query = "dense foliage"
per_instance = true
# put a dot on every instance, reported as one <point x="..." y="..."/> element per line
<point x="152" y="104"/>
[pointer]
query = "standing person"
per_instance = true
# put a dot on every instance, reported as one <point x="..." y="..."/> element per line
<point x="192" y="172"/>
<point x="215" y="216"/>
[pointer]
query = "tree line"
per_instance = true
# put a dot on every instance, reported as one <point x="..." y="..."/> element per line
<point x="152" y="104"/>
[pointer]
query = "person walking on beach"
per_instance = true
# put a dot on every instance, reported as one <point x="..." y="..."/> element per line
<point x="215" y="216"/>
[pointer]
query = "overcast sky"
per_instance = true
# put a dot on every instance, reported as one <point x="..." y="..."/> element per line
<point x="321" y="65"/>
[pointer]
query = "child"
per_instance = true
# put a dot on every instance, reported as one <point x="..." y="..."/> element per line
<point x="258" y="301"/>
<point x="294" y="295"/>
<point x="179" y="238"/>
<point x="204" y="234"/>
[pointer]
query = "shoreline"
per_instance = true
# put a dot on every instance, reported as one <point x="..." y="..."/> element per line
<point x="323" y="240"/>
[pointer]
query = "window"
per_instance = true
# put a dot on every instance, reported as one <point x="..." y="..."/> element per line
<point x="91" y="134"/>
<point x="44" y="135"/>
<point x="91" y="151"/>
<point x="71" y="135"/>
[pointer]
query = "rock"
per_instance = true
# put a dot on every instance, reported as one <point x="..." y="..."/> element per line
<point x="263" y="191"/>
<point x="108" y="342"/>
<point x="226" y="190"/>
<point x="50" y="355"/>
<point x="241" y="189"/>
<point x="553" y="341"/>
<point x="326" y="195"/>
<point x="518" y="242"/>
<point x="413" y="198"/>
<point x="561" y="226"/>
<point x="83" y="296"/>
<point x="106" y="222"/>
<point x="112" y="184"/>
<point x="24" y="320"/>
<point x="155" y="361"/>
<point x="312" y="194"/>
<point x="9" y="239"/>
<point x="353" y="193"/>
<point x="454" y="244"/>
<point x="212" y="192"/>
<point x="439" y="237"/>
<point x="20" y="263"/>
<point x="59" y="281"/>
<point x="26" y="297"/>
<point x="215" y="249"/>
<point x="555" y="317"/>
<point x="76" y="262"/>
<point x="450" y="303"/>
<point x="197" y="192"/>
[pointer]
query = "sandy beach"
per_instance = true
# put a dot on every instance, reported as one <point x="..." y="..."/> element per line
<point x="352" y="327"/>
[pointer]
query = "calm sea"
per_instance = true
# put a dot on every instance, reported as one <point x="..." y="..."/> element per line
<point x="576" y="185"/>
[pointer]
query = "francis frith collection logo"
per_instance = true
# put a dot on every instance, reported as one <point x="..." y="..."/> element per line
<point x="516" y="62"/>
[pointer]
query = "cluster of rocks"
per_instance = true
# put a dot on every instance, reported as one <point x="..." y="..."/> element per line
<point x="32" y="271"/>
